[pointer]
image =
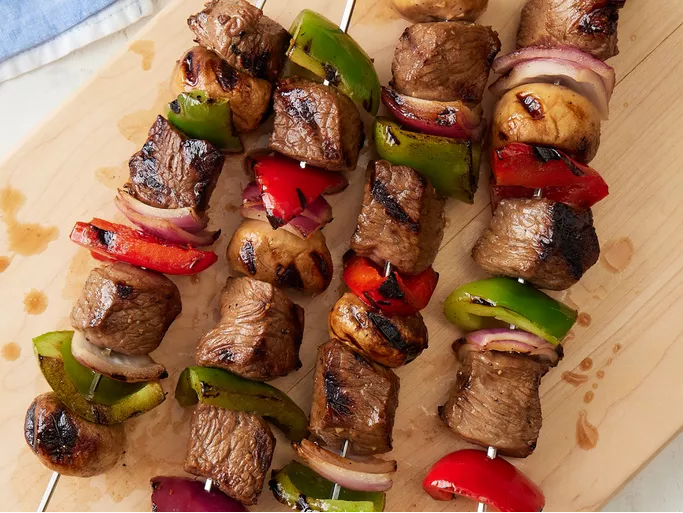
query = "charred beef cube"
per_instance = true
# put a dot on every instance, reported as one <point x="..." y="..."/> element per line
<point x="172" y="171"/>
<point x="354" y="399"/>
<point x="589" y="25"/>
<point x="233" y="448"/>
<point x="126" y="309"/>
<point x="204" y="70"/>
<point x="444" y="61"/>
<point x="386" y="339"/>
<point x="240" y="33"/>
<point x="402" y="219"/>
<point x="496" y="402"/>
<point x="316" y="124"/>
<point x="259" y="334"/>
<point x="548" y="244"/>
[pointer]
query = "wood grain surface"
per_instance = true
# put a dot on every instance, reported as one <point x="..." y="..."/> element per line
<point x="618" y="389"/>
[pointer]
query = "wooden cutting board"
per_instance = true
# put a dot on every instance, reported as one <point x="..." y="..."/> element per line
<point x="607" y="408"/>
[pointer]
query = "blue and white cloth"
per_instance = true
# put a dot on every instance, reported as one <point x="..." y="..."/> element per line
<point x="36" y="32"/>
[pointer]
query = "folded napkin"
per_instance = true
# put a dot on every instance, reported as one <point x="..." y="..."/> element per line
<point x="36" y="32"/>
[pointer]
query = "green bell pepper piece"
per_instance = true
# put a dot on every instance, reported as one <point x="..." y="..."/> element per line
<point x="227" y="390"/>
<point x="320" y="46"/>
<point x="201" y="117"/>
<point x="474" y="305"/>
<point x="299" y="487"/>
<point x="112" y="402"/>
<point x="447" y="163"/>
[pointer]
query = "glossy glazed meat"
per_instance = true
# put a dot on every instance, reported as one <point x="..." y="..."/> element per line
<point x="440" y="10"/>
<point x="402" y="218"/>
<point x="589" y="25"/>
<point x="354" y="399"/>
<point x="233" y="448"/>
<point x="496" y="402"/>
<point x="204" y="70"/>
<point x="444" y="61"/>
<point x="259" y="334"/>
<point x="389" y="340"/>
<point x="548" y="115"/>
<point x="126" y="309"/>
<point x="240" y="33"/>
<point x="316" y="124"/>
<point x="68" y="444"/>
<point x="281" y="258"/>
<point x="549" y="244"/>
<point x="172" y="171"/>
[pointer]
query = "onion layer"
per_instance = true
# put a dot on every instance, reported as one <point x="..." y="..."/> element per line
<point x="186" y="218"/>
<point x="371" y="475"/>
<point x="182" y="494"/>
<point x="508" y="340"/>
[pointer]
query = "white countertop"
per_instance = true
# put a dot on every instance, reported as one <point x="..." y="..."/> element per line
<point x="27" y="100"/>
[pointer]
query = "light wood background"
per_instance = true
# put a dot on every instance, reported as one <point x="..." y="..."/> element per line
<point x="625" y="354"/>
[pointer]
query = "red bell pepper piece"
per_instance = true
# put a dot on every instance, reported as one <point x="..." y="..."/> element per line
<point x="495" y="482"/>
<point x="394" y="294"/>
<point x="287" y="189"/>
<point x="520" y="168"/>
<point x="118" y="242"/>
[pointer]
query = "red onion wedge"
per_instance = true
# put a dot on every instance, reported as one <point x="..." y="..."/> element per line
<point x="580" y="79"/>
<point x="186" y="218"/>
<point x="182" y="494"/>
<point x="505" y="63"/>
<point x="166" y="228"/>
<point x="371" y="475"/>
<point x="312" y="219"/>
<point x="445" y="119"/>
<point x="508" y="340"/>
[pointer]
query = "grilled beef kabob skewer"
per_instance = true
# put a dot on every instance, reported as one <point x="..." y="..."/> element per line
<point x="557" y="96"/>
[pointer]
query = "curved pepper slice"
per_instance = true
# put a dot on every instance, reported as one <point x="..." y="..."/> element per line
<point x="321" y="47"/>
<point x="511" y="302"/>
<point x="519" y="169"/>
<point x="201" y="117"/>
<point x="221" y="388"/>
<point x="495" y="482"/>
<point x="451" y="165"/>
<point x="287" y="189"/>
<point x="119" y="242"/>
<point x="300" y="488"/>
<point x="111" y="403"/>
<point x="395" y="294"/>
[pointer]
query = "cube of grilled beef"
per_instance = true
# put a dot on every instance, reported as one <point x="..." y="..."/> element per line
<point x="204" y="70"/>
<point x="126" y="309"/>
<point x="589" y="25"/>
<point x="240" y="33"/>
<point x="259" y="334"/>
<point x="548" y="244"/>
<point x="444" y="61"/>
<point x="232" y="448"/>
<point x="354" y="399"/>
<point x="402" y="219"/>
<point x="316" y="124"/>
<point x="496" y="402"/>
<point x="172" y="171"/>
<point x="389" y="340"/>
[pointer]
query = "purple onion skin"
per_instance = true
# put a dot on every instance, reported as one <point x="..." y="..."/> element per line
<point x="182" y="494"/>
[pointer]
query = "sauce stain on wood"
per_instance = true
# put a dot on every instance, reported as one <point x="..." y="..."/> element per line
<point x="113" y="177"/>
<point x="574" y="378"/>
<point x="145" y="49"/>
<point x="194" y="279"/>
<point x="4" y="263"/>
<point x="584" y="319"/>
<point x="616" y="348"/>
<point x="595" y="386"/>
<point x="25" y="239"/>
<point x="586" y="433"/>
<point x="35" y="302"/>
<point x="600" y="374"/>
<point x="588" y="396"/>
<point x="11" y="351"/>
<point x="135" y="126"/>
<point x="617" y="255"/>
<point x="586" y="364"/>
